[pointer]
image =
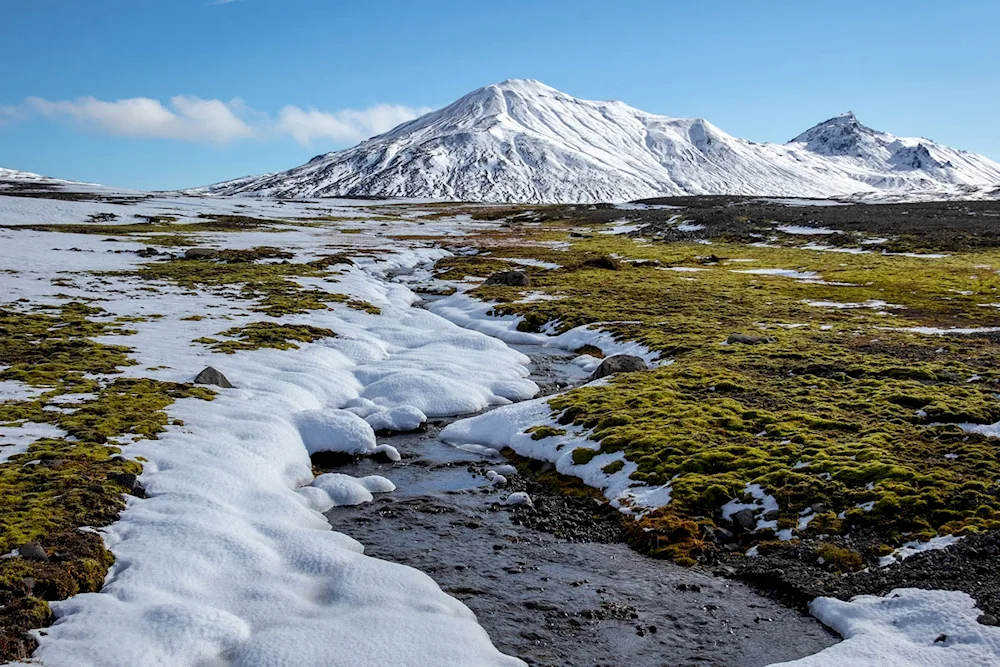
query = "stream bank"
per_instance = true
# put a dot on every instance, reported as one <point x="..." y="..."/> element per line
<point x="555" y="584"/>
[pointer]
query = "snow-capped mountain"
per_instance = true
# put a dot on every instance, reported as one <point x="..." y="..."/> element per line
<point x="522" y="141"/>
<point x="15" y="175"/>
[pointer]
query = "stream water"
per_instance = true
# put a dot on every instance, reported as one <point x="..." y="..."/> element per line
<point x="564" y="598"/>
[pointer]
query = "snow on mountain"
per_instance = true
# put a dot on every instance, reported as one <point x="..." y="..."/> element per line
<point x="522" y="141"/>
<point x="28" y="177"/>
<point x="15" y="175"/>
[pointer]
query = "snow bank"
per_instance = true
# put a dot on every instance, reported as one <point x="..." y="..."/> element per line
<point x="907" y="628"/>
<point x="916" y="547"/>
<point x="471" y="313"/>
<point x="335" y="431"/>
<point x="346" y="490"/>
<point x="228" y="561"/>
<point x="505" y="427"/>
<point x="403" y="418"/>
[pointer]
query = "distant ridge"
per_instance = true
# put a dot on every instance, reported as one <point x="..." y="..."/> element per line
<point x="522" y="141"/>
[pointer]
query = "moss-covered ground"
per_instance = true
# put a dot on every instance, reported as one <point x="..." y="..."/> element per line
<point x="62" y="484"/>
<point x="271" y="286"/>
<point x="844" y="414"/>
<point x="257" y="335"/>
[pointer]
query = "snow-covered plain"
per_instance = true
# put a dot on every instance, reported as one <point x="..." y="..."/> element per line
<point x="229" y="561"/>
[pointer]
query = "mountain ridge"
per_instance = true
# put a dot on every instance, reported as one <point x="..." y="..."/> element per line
<point x="523" y="141"/>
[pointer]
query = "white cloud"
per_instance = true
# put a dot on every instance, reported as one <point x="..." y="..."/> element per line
<point x="347" y="125"/>
<point x="189" y="118"/>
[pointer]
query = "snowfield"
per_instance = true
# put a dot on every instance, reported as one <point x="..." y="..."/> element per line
<point x="229" y="560"/>
<point x="522" y="141"/>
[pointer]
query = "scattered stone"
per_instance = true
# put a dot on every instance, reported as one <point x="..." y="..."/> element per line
<point x="199" y="253"/>
<point x="744" y="339"/>
<point x="770" y="515"/>
<point x="744" y="520"/>
<point x="512" y="278"/>
<point x="711" y="259"/>
<point x="129" y="481"/>
<point x="32" y="551"/>
<point x="212" y="376"/>
<point x="147" y="252"/>
<point x="988" y="619"/>
<point x="604" y="262"/>
<point x="619" y="363"/>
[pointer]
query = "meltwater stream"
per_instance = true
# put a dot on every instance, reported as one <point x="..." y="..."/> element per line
<point x="577" y="599"/>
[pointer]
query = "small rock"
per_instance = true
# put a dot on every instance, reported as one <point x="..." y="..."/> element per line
<point x="988" y="619"/>
<point x="212" y="376"/>
<point x="711" y="259"/>
<point x="147" y="252"/>
<point x="818" y="508"/>
<point x="620" y="363"/>
<point x="129" y="481"/>
<point x="519" y="498"/>
<point x="744" y="339"/>
<point x="941" y="638"/>
<point x="770" y="515"/>
<point x="744" y="519"/>
<point x="32" y="551"/>
<point x="199" y="253"/>
<point x="512" y="278"/>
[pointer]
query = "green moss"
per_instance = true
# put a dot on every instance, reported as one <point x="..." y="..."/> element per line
<point x="582" y="455"/>
<point x="838" y="408"/>
<point x="542" y="432"/>
<point x="838" y="558"/>
<point x="62" y="484"/>
<point x="613" y="467"/>
<point x="257" y="335"/>
<point x="272" y="287"/>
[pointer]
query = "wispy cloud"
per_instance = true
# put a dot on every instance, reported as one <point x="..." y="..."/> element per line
<point x="347" y="125"/>
<point x="189" y="118"/>
<point x="221" y="2"/>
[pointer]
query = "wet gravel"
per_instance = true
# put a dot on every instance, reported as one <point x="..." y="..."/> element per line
<point x="794" y="577"/>
<point x="555" y="584"/>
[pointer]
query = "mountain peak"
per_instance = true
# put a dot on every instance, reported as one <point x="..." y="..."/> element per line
<point x="840" y="135"/>
<point x="520" y="140"/>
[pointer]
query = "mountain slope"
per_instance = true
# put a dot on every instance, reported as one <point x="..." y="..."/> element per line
<point x="15" y="175"/>
<point x="522" y="141"/>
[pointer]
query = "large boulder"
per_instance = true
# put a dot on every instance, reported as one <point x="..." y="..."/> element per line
<point x="619" y="363"/>
<point x="199" y="253"/>
<point x="605" y="262"/>
<point x="513" y="278"/>
<point x="744" y="520"/>
<point x="213" y="376"/>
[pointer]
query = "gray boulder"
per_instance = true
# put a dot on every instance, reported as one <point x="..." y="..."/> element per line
<point x="32" y="551"/>
<point x="511" y="278"/>
<point x="212" y="376"/>
<point x="199" y="253"/>
<point x="620" y="363"/>
<point x="744" y="520"/>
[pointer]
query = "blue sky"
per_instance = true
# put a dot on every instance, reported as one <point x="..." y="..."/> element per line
<point x="177" y="93"/>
